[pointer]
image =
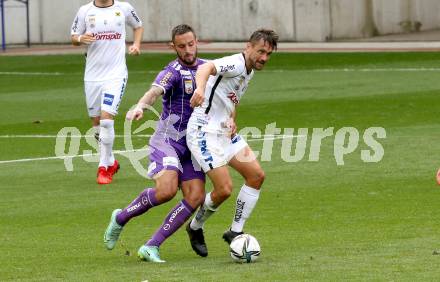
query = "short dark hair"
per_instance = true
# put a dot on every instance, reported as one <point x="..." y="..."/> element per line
<point x="181" y="29"/>
<point x="268" y="35"/>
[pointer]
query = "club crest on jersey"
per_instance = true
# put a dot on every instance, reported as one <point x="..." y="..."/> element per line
<point x="188" y="86"/>
<point x="118" y="14"/>
<point x="240" y="83"/>
<point x="233" y="98"/>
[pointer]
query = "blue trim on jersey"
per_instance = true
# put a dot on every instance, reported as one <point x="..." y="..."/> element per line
<point x="121" y="94"/>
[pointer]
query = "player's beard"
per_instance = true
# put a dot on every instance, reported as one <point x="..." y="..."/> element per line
<point x="260" y="64"/>
<point x="187" y="62"/>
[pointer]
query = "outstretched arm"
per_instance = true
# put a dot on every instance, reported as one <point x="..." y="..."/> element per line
<point x="147" y="100"/>
<point x="202" y="75"/>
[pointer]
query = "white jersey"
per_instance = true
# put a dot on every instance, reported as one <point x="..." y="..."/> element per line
<point x="105" y="56"/>
<point x="223" y="91"/>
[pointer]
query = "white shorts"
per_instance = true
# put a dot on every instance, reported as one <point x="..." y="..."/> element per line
<point x="104" y="96"/>
<point x="212" y="150"/>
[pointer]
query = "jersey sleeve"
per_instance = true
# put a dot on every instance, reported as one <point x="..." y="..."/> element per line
<point x="79" y="23"/>
<point x="131" y="17"/>
<point x="165" y="80"/>
<point x="229" y="66"/>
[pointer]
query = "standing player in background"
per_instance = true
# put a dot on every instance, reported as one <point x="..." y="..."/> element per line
<point x="171" y="165"/>
<point x="211" y="134"/>
<point x="101" y="26"/>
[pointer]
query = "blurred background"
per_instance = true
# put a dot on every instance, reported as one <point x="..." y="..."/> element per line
<point x="49" y="21"/>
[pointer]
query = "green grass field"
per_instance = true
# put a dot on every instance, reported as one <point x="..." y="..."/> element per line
<point x="315" y="221"/>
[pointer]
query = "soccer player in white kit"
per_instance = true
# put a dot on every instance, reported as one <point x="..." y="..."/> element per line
<point x="101" y="26"/>
<point x="211" y="133"/>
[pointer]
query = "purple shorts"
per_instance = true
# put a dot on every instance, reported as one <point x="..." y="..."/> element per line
<point x="172" y="155"/>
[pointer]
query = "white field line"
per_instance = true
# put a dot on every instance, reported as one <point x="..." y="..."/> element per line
<point x="122" y="152"/>
<point x="269" y="71"/>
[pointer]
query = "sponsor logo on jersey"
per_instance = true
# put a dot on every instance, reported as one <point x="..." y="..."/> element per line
<point x="144" y="201"/>
<point x="203" y="148"/>
<point x="108" y="99"/>
<point x="75" y="25"/>
<point x="107" y="36"/>
<point x="233" y="97"/>
<point x="92" y="21"/>
<point x="227" y="68"/>
<point x="133" y="13"/>
<point x="185" y="72"/>
<point x="235" y="139"/>
<point x="188" y="86"/>
<point x="130" y="209"/>
<point x="175" y="213"/>
<point x="170" y="161"/>
<point x="239" y="210"/>
<point x="202" y="121"/>
<point x="164" y="81"/>
<point x="200" y="213"/>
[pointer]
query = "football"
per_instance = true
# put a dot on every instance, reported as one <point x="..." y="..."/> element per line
<point x="244" y="248"/>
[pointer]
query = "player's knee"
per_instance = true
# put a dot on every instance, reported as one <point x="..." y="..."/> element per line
<point x="195" y="199"/>
<point x="166" y="190"/>
<point x="260" y="177"/>
<point x="256" y="179"/>
<point x="225" y="190"/>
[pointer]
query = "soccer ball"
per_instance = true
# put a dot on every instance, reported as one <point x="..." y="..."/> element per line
<point x="244" y="248"/>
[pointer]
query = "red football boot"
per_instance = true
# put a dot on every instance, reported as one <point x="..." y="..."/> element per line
<point x="104" y="177"/>
<point x="114" y="168"/>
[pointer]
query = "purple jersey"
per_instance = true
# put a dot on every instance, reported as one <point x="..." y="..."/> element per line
<point x="168" y="142"/>
<point x="178" y="83"/>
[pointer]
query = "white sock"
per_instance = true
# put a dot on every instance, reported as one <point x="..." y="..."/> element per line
<point x="246" y="201"/>
<point x="106" y="138"/>
<point x="96" y="129"/>
<point x="204" y="212"/>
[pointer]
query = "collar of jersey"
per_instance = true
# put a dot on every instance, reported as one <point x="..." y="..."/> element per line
<point x="244" y="58"/>
<point x="113" y="3"/>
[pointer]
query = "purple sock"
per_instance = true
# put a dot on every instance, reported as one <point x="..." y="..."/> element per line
<point x="176" y="218"/>
<point x="140" y="205"/>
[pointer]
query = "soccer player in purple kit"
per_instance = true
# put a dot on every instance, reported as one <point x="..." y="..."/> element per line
<point x="171" y="165"/>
